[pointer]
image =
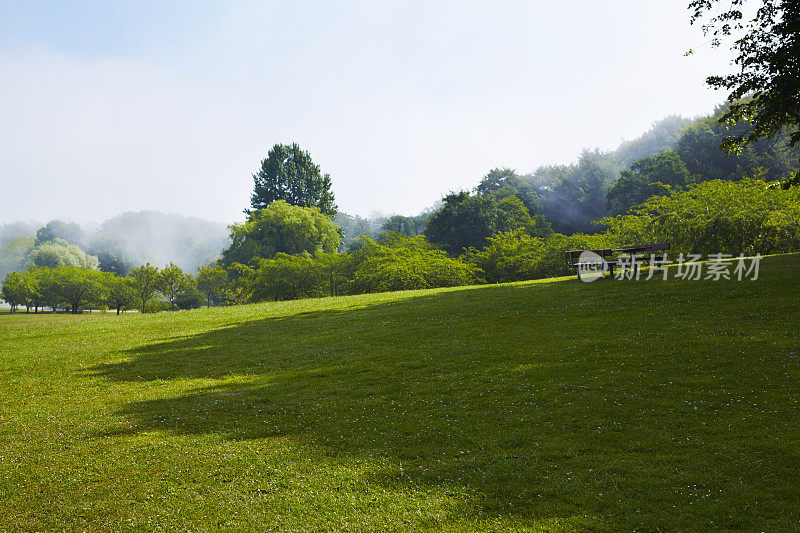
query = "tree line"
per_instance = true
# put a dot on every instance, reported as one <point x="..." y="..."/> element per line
<point x="290" y="246"/>
<point x="75" y="288"/>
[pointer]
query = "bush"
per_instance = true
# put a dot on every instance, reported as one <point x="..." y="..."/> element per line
<point x="400" y="262"/>
<point x="746" y="216"/>
<point x="286" y="277"/>
<point x="516" y="256"/>
<point x="190" y="299"/>
<point x="156" y="306"/>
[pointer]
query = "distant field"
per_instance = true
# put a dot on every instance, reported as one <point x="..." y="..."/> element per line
<point x="547" y="406"/>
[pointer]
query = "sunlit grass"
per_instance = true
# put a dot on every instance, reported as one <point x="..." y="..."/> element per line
<point x="530" y="406"/>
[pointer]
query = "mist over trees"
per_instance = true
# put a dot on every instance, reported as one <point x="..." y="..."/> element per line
<point x="135" y="238"/>
<point x="408" y="226"/>
<point x="663" y="135"/>
<point x="467" y="221"/>
<point x="649" y="176"/>
<point x="675" y="152"/>
<point x="14" y="254"/>
<point x="354" y="226"/>
<point x="770" y="159"/>
<point x="58" y="229"/>
<point x="117" y="245"/>
<point x="18" y="230"/>
<point x="58" y="252"/>
<point x="510" y="226"/>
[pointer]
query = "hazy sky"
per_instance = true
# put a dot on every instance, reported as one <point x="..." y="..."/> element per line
<point x="107" y="106"/>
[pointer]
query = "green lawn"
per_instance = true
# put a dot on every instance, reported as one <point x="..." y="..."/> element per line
<point x="556" y="406"/>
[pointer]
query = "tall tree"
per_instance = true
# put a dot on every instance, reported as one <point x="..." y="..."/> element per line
<point x="503" y="182"/>
<point x="288" y="173"/>
<point x="765" y="92"/>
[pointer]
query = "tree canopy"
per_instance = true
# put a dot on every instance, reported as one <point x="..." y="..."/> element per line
<point x="58" y="229"/>
<point x="211" y="281"/>
<point x="59" y="252"/>
<point x="173" y="283"/>
<point x="289" y="174"/>
<point x="409" y="226"/>
<point x="765" y="92"/>
<point x="467" y="220"/>
<point x="144" y="284"/>
<point x="503" y="182"/>
<point x="399" y="262"/>
<point x="281" y="228"/>
<point x="647" y="177"/>
<point x="747" y="216"/>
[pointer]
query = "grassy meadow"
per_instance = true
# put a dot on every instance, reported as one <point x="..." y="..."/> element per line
<point x="535" y="406"/>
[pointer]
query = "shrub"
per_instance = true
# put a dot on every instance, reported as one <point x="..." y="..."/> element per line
<point x="516" y="256"/>
<point x="746" y="216"/>
<point x="400" y="262"/>
<point x="190" y="299"/>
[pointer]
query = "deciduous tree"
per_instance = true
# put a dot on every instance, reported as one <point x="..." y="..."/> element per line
<point x="211" y="281"/>
<point x="765" y="92"/>
<point x="466" y="221"/>
<point x="173" y="282"/>
<point x="144" y="281"/>
<point x="281" y="228"/>
<point x="119" y="290"/>
<point x="647" y="177"/>
<point x="15" y="290"/>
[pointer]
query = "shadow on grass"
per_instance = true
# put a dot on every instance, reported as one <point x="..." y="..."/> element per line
<point x="490" y="391"/>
